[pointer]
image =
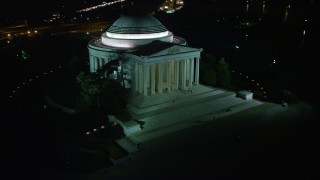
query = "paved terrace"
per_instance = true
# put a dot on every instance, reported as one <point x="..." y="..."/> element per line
<point x="142" y="104"/>
<point x="166" y="113"/>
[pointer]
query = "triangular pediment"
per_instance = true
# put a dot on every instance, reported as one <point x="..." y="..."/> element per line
<point x="176" y="49"/>
<point x="162" y="49"/>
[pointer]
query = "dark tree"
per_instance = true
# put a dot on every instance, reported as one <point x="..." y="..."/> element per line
<point x="210" y="77"/>
<point x="215" y="71"/>
<point x="100" y="92"/>
<point x="90" y="90"/>
<point x="223" y="73"/>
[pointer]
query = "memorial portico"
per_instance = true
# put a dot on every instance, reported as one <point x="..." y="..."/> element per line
<point x="165" y="73"/>
<point x="158" y="62"/>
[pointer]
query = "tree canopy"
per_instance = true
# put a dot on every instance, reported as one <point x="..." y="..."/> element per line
<point x="223" y="73"/>
<point x="215" y="71"/>
<point x="101" y="93"/>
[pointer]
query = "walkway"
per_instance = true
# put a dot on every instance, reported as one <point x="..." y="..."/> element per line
<point x="167" y="113"/>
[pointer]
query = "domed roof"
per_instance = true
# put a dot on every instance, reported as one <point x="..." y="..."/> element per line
<point x="134" y="31"/>
<point x="136" y="25"/>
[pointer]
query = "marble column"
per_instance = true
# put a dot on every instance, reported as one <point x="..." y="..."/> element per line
<point x="95" y="64"/>
<point x="140" y="78"/>
<point x="184" y="74"/>
<point x="160" y="80"/>
<point x="136" y="76"/>
<point x="191" y="71"/>
<point x="169" y="76"/>
<point x="91" y="63"/>
<point x="188" y="71"/>
<point x="197" y="70"/>
<point x="103" y="61"/>
<point x="100" y="63"/>
<point x="153" y="78"/>
<point x="145" y="79"/>
<point x="176" y="64"/>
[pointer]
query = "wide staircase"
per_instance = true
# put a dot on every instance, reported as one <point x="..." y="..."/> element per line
<point x="167" y="113"/>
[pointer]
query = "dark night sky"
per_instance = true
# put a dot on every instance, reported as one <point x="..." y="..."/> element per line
<point x="10" y="7"/>
<point x="22" y="7"/>
<point x="27" y="6"/>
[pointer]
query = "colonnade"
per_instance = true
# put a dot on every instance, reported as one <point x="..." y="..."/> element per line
<point x="164" y="77"/>
<point x="97" y="63"/>
<point x="159" y="77"/>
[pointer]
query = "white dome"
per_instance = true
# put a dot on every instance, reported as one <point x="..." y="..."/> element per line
<point x="133" y="31"/>
<point x="136" y="25"/>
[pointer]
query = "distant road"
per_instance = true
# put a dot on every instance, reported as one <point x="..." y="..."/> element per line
<point x="23" y="30"/>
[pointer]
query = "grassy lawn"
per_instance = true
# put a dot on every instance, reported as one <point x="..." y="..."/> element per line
<point x="62" y="90"/>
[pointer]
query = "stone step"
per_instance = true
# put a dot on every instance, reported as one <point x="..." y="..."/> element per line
<point x="141" y="101"/>
<point x="141" y="104"/>
<point x="188" y="111"/>
<point x="182" y="105"/>
<point x="185" y="101"/>
<point x="143" y="136"/>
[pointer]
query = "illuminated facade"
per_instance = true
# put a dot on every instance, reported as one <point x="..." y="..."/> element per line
<point x="156" y="61"/>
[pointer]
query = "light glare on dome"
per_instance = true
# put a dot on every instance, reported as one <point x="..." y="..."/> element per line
<point x="137" y="36"/>
<point x="107" y="42"/>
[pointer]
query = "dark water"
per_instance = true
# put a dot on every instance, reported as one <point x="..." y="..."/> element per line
<point x="275" y="31"/>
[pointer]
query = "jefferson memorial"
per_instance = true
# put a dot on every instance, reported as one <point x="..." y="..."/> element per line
<point x="163" y="74"/>
<point x="154" y="61"/>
